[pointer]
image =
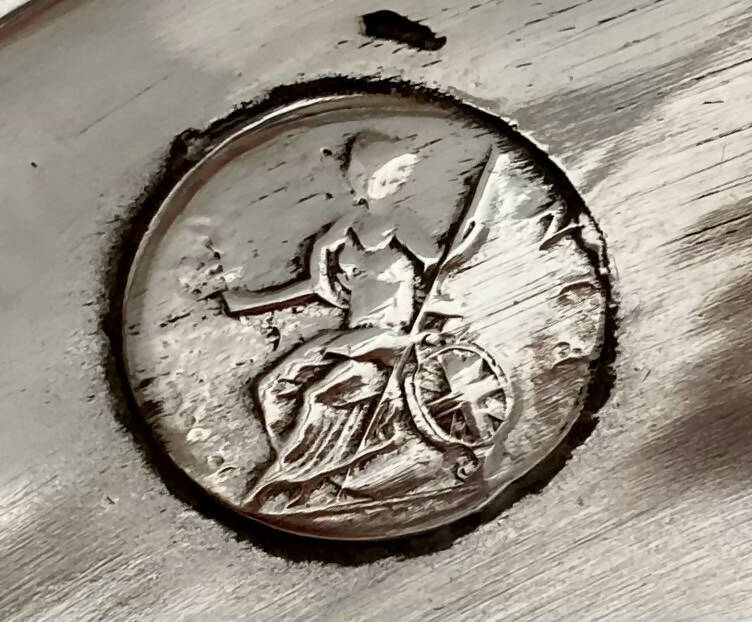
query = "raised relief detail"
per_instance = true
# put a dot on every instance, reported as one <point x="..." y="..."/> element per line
<point x="365" y="315"/>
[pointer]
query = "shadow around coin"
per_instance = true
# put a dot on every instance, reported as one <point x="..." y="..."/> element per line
<point x="186" y="150"/>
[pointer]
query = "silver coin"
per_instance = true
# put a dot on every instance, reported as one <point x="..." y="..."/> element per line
<point x="366" y="315"/>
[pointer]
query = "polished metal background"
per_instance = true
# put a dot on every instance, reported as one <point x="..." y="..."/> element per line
<point x="646" y="106"/>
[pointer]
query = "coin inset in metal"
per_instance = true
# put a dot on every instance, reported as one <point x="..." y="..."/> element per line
<point x="365" y="315"/>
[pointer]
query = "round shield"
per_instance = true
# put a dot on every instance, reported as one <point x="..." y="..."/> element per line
<point x="460" y="396"/>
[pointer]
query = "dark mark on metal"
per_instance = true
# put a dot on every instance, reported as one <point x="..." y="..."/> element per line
<point x="390" y="25"/>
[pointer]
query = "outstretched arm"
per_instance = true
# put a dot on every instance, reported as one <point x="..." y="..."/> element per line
<point x="244" y="302"/>
<point x="320" y="283"/>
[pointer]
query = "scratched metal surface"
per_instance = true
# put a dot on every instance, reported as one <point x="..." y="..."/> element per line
<point x="647" y="106"/>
